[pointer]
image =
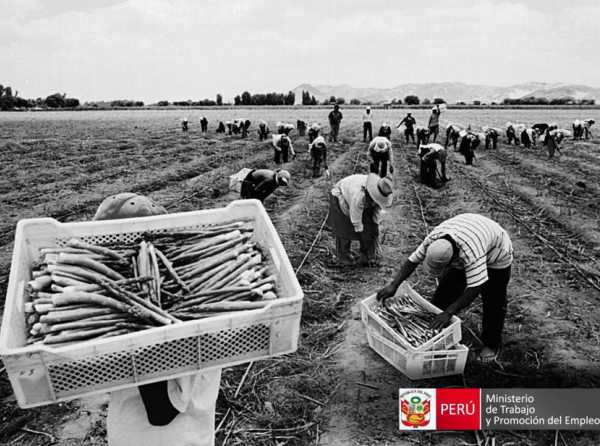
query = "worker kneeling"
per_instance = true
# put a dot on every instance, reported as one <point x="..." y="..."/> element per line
<point x="260" y="183"/>
<point x="471" y="255"/>
<point x="430" y="155"/>
<point x="380" y="152"/>
<point x="355" y="203"/>
<point x="176" y="411"/>
<point x="318" y="154"/>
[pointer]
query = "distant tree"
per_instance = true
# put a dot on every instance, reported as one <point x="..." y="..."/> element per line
<point x="476" y="102"/>
<point x="305" y="98"/>
<point x="411" y="100"/>
<point x="290" y="99"/>
<point x="219" y="99"/>
<point x="246" y="98"/>
<point x="138" y="103"/>
<point x="237" y="100"/>
<point x="313" y="100"/>
<point x="354" y="101"/>
<point x="332" y="99"/>
<point x="396" y="101"/>
<point x="340" y="101"/>
<point x="426" y="101"/>
<point x="55" y="100"/>
<point x="439" y="101"/>
<point x="163" y="103"/>
<point x="71" y="102"/>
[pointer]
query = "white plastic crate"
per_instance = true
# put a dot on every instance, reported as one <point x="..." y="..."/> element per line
<point x="236" y="180"/>
<point x="42" y="374"/>
<point x="448" y="337"/>
<point x="420" y="365"/>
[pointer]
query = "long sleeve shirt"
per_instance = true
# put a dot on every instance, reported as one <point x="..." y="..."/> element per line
<point x="351" y="194"/>
<point x="367" y="117"/>
<point x="482" y="243"/>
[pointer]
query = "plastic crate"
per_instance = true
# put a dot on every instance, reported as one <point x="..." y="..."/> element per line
<point x="448" y="337"/>
<point x="42" y="374"/>
<point x="420" y="365"/>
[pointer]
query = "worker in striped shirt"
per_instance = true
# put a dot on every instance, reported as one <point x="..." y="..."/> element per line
<point x="471" y="255"/>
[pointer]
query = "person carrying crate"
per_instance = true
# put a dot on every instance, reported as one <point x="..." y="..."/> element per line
<point x="471" y="255"/>
<point x="260" y="183"/>
<point x="355" y="204"/>
<point x="177" y="411"/>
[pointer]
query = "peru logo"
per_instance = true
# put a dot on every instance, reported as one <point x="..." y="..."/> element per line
<point x="416" y="409"/>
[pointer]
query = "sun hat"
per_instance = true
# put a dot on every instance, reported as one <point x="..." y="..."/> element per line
<point x="127" y="205"/>
<point x="439" y="255"/>
<point x="380" y="189"/>
<point x="283" y="177"/>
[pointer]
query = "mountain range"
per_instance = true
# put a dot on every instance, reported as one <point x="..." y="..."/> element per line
<point x="451" y="92"/>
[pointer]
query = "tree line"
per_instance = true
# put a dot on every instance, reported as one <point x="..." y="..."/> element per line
<point x="246" y="98"/>
<point x="10" y="101"/>
<point x="532" y="100"/>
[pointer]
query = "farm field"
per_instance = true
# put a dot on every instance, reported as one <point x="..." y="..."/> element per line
<point x="334" y="390"/>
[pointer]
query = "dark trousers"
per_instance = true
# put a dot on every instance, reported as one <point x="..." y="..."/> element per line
<point x="282" y="154"/>
<point x="203" y="126"/>
<point x="335" y="129"/>
<point x="379" y="165"/>
<point x="427" y="171"/>
<point x="493" y="295"/>
<point x="409" y="133"/>
<point x="367" y="128"/>
<point x="318" y="155"/>
<point x="312" y="134"/>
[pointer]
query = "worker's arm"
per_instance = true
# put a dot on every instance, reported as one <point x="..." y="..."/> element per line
<point x="292" y="150"/>
<point x="356" y="207"/>
<point x="463" y="301"/>
<point x="401" y="122"/>
<point x="159" y="409"/>
<point x="403" y="273"/>
<point x="325" y="158"/>
<point x="391" y="159"/>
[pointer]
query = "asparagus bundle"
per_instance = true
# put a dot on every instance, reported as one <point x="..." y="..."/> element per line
<point x="409" y="319"/>
<point x="83" y="291"/>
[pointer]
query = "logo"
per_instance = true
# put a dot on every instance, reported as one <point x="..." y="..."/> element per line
<point x="416" y="409"/>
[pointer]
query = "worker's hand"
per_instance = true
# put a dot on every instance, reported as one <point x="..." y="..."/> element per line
<point x="386" y="292"/>
<point x="441" y="320"/>
<point x="391" y="169"/>
<point x="327" y="174"/>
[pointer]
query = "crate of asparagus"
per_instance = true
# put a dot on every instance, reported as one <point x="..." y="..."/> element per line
<point x="100" y="306"/>
<point x="423" y="364"/>
<point x="405" y="320"/>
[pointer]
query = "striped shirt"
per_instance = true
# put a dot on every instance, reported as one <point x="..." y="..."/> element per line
<point x="482" y="243"/>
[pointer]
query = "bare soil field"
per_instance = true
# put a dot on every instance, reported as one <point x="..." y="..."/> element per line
<point x="334" y="390"/>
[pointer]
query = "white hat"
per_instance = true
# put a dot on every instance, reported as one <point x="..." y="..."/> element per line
<point x="283" y="176"/>
<point x="380" y="189"/>
<point x="439" y="255"/>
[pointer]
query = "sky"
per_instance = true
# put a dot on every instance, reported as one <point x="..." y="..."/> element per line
<point x="192" y="49"/>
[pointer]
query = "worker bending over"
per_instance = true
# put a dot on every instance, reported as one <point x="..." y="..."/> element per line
<point x="380" y="152"/>
<point x="282" y="144"/>
<point x="385" y="130"/>
<point x="471" y="255"/>
<point x="318" y="154"/>
<point x="260" y="183"/>
<point x="355" y="203"/>
<point x="430" y="155"/>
